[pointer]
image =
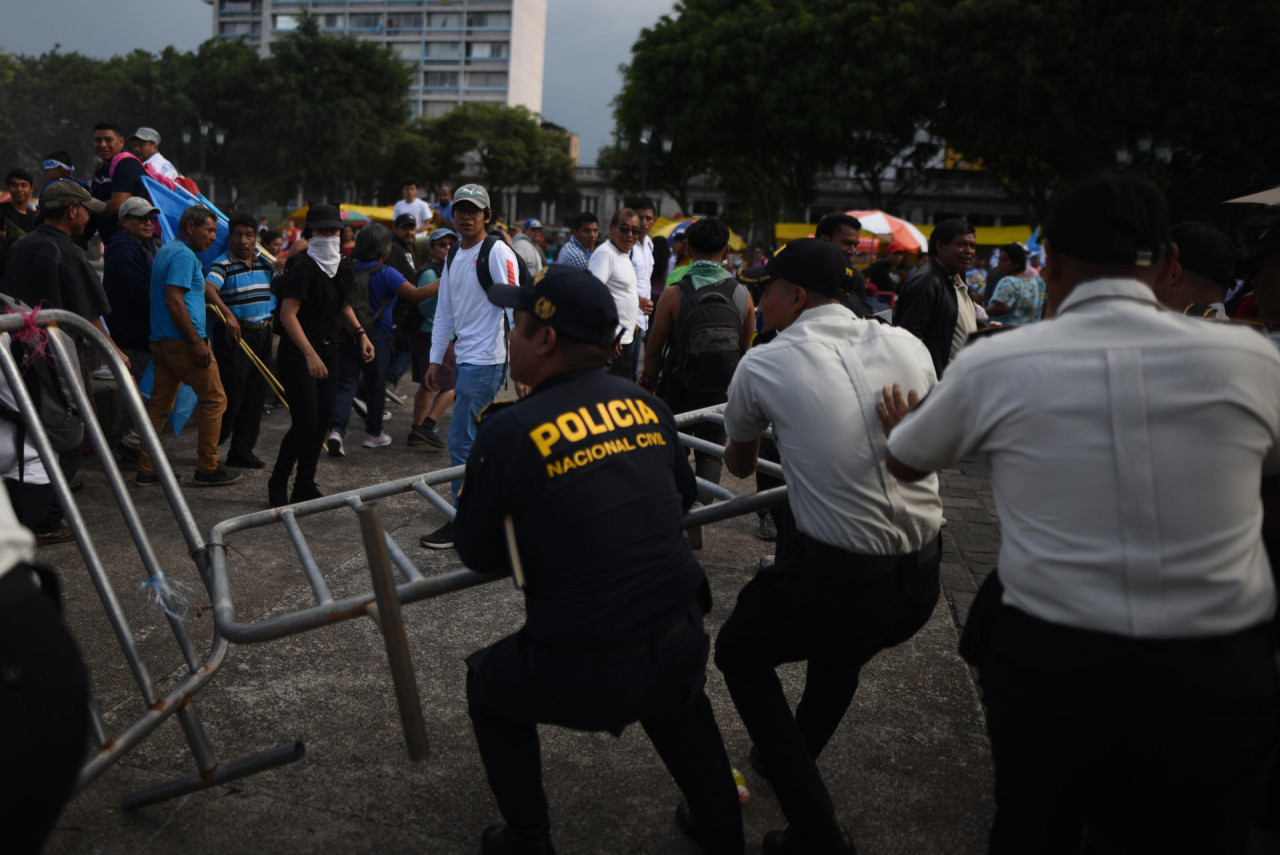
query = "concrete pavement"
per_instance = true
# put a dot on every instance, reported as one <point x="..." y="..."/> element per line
<point x="909" y="768"/>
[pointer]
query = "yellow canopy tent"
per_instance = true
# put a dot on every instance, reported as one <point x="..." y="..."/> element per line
<point x="993" y="235"/>
<point x="384" y="214"/>
<point x="663" y="227"/>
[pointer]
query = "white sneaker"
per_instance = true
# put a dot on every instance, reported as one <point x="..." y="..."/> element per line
<point x="371" y="441"/>
<point x="360" y="407"/>
<point x="333" y="444"/>
<point x="103" y="373"/>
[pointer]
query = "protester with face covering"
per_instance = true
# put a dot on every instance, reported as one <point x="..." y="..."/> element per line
<point x="315" y="310"/>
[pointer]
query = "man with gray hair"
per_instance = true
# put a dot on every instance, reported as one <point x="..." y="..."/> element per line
<point x="180" y="349"/>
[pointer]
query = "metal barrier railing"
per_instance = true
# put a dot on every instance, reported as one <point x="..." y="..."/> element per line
<point x="326" y="611"/>
<point x="211" y="563"/>
<point x="200" y="667"/>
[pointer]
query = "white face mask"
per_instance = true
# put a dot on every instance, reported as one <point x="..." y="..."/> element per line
<point x="327" y="252"/>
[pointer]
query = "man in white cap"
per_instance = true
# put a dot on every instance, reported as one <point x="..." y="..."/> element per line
<point x="146" y="145"/>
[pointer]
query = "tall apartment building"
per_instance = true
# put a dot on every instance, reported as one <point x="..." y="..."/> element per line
<point x="461" y="50"/>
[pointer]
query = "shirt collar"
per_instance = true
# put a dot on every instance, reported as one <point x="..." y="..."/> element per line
<point x="1108" y="289"/>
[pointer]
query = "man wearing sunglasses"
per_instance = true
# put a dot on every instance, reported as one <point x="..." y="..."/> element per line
<point x="611" y="264"/>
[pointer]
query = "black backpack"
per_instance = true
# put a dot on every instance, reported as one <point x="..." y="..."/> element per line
<point x="523" y="277"/>
<point x="705" y="345"/>
<point x="49" y="390"/>
<point x="360" y="301"/>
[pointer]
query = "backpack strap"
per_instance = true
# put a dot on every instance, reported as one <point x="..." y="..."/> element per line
<point x="115" y="161"/>
<point x="483" y="273"/>
<point x="386" y="301"/>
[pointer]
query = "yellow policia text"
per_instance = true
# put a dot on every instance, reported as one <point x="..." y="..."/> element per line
<point x="574" y="426"/>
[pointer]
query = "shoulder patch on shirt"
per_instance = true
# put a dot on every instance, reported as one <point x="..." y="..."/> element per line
<point x="492" y="408"/>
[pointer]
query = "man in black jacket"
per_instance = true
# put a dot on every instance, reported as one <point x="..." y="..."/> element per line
<point x="935" y="305"/>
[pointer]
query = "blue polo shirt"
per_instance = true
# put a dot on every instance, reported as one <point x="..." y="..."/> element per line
<point x="176" y="264"/>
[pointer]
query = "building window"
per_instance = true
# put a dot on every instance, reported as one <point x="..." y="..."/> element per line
<point x="444" y="50"/>
<point x="235" y="28"/>
<point x="485" y="79"/>
<point x="331" y="22"/>
<point x="408" y="50"/>
<point x="488" y="50"/>
<point x="404" y="21"/>
<point x="436" y="109"/>
<point x="365" y="22"/>
<point x="489" y="20"/>
<point x="284" y="23"/>
<point x="441" y="79"/>
<point x="444" y="21"/>
<point x="236" y="7"/>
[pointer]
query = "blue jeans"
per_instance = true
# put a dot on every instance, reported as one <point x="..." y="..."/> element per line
<point x="375" y="398"/>
<point x="476" y="388"/>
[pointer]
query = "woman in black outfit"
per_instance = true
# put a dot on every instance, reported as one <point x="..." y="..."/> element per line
<point x="314" y="309"/>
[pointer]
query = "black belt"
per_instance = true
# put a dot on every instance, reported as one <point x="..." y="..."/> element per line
<point x="254" y="325"/>
<point x="627" y="652"/>
<point x="18" y="585"/>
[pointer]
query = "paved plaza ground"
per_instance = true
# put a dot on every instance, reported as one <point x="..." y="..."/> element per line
<point x="910" y="767"/>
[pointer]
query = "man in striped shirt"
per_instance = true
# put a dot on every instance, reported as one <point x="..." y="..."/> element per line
<point x="242" y="280"/>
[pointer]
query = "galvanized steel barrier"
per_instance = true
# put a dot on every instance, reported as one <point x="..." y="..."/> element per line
<point x="211" y="561"/>
<point x="200" y="665"/>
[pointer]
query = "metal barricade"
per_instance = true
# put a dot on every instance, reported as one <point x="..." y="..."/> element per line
<point x="415" y="586"/>
<point x="200" y="666"/>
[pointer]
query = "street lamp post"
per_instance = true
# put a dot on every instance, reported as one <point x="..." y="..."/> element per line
<point x="646" y="134"/>
<point x="219" y="137"/>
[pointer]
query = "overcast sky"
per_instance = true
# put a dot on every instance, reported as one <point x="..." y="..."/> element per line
<point x="586" y="41"/>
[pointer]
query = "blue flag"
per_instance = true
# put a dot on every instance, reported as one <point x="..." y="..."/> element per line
<point x="172" y="203"/>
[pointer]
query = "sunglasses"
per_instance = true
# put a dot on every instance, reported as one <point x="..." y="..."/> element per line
<point x="630" y="230"/>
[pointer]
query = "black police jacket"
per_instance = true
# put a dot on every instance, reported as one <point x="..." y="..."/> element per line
<point x="591" y="472"/>
<point x="926" y="307"/>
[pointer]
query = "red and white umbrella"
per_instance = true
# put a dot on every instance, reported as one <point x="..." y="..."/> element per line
<point x="900" y="231"/>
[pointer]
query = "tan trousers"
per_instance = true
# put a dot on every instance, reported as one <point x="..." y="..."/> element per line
<point x="175" y="365"/>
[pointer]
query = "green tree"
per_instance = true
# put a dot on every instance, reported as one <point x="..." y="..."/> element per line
<point x="510" y="149"/>
<point x="1051" y="90"/>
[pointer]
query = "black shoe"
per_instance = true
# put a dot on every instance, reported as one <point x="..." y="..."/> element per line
<point x="245" y="461"/>
<point x="305" y="493"/>
<point x="76" y="485"/>
<point x="220" y="477"/>
<point x="152" y="479"/>
<point x="502" y="839"/>
<point x="423" y="435"/>
<point x="277" y="494"/>
<point x="704" y="838"/>
<point x="790" y="842"/>
<point x="441" y="538"/>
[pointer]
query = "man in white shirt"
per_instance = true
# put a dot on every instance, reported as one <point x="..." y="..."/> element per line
<point x="411" y="204"/>
<point x="146" y="145"/>
<point x="642" y="260"/>
<point x="480" y="326"/>
<point x="1130" y="678"/>
<point x="611" y="264"/>
<point x="864" y="574"/>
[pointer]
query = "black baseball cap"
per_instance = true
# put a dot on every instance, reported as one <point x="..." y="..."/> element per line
<point x="574" y="303"/>
<point x="1109" y="218"/>
<point x="1206" y="251"/>
<point x="812" y="263"/>
<point x="406" y="220"/>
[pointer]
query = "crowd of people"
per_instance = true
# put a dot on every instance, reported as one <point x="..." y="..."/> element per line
<point x="1126" y="645"/>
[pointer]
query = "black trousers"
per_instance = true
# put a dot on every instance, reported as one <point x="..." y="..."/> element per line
<point x="514" y="685"/>
<point x="310" y="406"/>
<point x="1143" y="745"/>
<point x="44" y="712"/>
<point x="706" y="466"/>
<point x="245" y="386"/>
<point x="835" y="609"/>
<point x="624" y="365"/>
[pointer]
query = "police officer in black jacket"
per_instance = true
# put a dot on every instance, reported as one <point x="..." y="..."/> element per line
<point x="579" y="489"/>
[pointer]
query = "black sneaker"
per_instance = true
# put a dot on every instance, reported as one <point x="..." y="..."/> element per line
<point x="152" y="479"/>
<point x="421" y="435"/>
<point x="220" y="477"/>
<point x="502" y="839"/>
<point x="305" y="493"/>
<point x="246" y="461"/>
<point x="441" y="538"/>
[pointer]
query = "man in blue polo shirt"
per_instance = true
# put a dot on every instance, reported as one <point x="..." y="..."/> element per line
<point x="242" y="280"/>
<point x="179" y="349"/>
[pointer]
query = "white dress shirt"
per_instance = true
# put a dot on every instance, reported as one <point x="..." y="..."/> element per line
<point x="642" y="261"/>
<point x="464" y="308"/>
<point x="819" y="382"/>
<point x="161" y="164"/>
<point x="613" y="267"/>
<point x="1126" y="445"/>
